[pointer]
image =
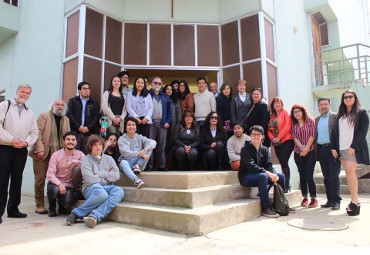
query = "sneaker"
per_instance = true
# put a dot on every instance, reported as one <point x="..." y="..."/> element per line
<point x="90" y="221"/>
<point x="268" y="212"/>
<point x="304" y="202"/>
<point x="71" y="219"/>
<point x="314" y="203"/>
<point x="139" y="183"/>
<point x="136" y="169"/>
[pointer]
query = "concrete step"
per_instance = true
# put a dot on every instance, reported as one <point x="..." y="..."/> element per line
<point x="195" y="221"/>
<point x="363" y="187"/>
<point x="319" y="179"/>
<point x="188" y="198"/>
<point x="183" y="179"/>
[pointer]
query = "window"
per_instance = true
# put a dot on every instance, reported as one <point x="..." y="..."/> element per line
<point x="323" y="28"/>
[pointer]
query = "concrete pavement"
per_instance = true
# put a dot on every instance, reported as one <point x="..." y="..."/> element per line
<point x="39" y="234"/>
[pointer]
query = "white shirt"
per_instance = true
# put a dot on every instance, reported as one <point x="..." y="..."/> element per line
<point x="346" y="130"/>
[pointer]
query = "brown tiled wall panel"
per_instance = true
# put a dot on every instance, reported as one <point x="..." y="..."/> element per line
<point x="231" y="76"/>
<point x="113" y="42"/>
<point x="230" y="43"/>
<point x="271" y="81"/>
<point x="70" y="72"/>
<point x="253" y="75"/>
<point x="269" y="40"/>
<point x="208" y="45"/>
<point x="184" y="45"/>
<point x="110" y="71"/>
<point x="135" y="44"/>
<point x="160" y="44"/>
<point x="92" y="74"/>
<point x="94" y="33"/>
<point x="73" y="22"/>
<point x="250" y="38"/>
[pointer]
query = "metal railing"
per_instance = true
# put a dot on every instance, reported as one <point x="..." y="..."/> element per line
<point x="343" y="65"/>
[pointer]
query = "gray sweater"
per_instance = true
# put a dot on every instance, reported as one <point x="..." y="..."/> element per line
<point x="130" y="147"/>
<point x="106" y="168"/>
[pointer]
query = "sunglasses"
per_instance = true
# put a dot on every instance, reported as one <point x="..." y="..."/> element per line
<point x="348" y="97"/>
<point x="214" y="117"/>
<point x="157" y="83"/>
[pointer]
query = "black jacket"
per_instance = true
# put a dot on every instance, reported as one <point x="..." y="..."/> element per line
<point x="75" y="114"/>
<point x="260" y="115"/>
<point x="181" y="143"/>
<point x="359" y="142"/>
<point x="206" y="138"/>
<point x="223" y="106"/>
<point x="253" y="161"/>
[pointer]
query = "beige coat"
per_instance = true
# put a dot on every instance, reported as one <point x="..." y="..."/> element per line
<point x="107" y="111"/>
<point x="43" y="141"/>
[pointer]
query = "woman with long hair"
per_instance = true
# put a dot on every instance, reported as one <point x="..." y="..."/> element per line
<point x="186" y="142"/>
<point x="213" y="143"/>
<point x="140" y="106"/>
<point x="176" y="120"/>
<point x="114" y="106"/>
<point x="279" y="127"/>
<point x="303" y="133"/>
<point x="349" y="143"/>
<point x="186" y="98"/>
<point x="223" y="107"/>
<point x="259" y="114"/>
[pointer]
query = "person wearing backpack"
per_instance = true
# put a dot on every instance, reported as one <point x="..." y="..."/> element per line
<point x="256" y="169"/>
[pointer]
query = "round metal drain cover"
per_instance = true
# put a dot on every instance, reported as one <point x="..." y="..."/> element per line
<point x="317" y="224"/>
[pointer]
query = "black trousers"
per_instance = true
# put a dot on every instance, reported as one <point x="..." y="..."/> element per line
<point x="65" y="200"/>
<point x="185" y="161"/>
<point x="306" y="166"/>
<point x="215" y="158"/>
<point x="330" y="169"/>
<point x="12" y="162"/>
<point x="283" y="153"/>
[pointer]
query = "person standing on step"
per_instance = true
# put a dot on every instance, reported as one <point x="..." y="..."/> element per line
<point x="18" y="130"/>
<point x="124" y="77"/>
<point x="52" y="126"/>
<point x="330" y="166"/>
<point x="135" y="152"/>
<point x="204" y="101"/>
<point x="349" y="143"/>
<point x="240" y="104"/>
<point x="256" y="169"/>
<point x="64" y="168"/>
<point x="162" y="119"/>
<point x="99" y="172"/>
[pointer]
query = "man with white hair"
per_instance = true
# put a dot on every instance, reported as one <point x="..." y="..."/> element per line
<point x="18" y="130"/>
<point x="52" y="126"/>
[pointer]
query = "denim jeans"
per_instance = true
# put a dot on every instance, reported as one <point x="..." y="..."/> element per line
<point x="126" y="165"/>
<point x="100" y="200"/>
<point x="306" y="166"/>
<point x="261" y="181"/>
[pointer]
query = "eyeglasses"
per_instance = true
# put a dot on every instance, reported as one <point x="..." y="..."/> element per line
<point x="85" y="88"/>
<point x="188" y="116"/>
<point x="214" y="117"/>
<point x="349" y="97"/>
<point x="256" y="134"/>
<point x="297" y="111"/>
<point x="157" y="83"/>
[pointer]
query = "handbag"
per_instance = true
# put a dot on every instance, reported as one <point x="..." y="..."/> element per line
<point x="103" y="126"/>
<point x="280" y="203"/>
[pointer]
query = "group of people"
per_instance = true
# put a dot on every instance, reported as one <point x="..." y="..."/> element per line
<point x="169" y="127"/>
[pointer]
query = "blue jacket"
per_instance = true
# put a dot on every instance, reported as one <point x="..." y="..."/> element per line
<point x="166" y="107"/>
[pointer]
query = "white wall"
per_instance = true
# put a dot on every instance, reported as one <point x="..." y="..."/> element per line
<point x="232" y="9"/>
<point x="6" y="63"/>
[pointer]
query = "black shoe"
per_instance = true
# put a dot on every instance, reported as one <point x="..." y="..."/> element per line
<point x="1" y="221"/>
<point x="71" y="219"/>
<point x="162" y="169"/>
<point x="17" y="215"/>
<point x="336" y="206"/>
<point x="268" y="212"/>
<point x="52" y="213"/>
<point x="62" y="210"/>
<point x="327" y="205"/>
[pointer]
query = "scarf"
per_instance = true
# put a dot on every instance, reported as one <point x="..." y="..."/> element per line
<point x="55" y="143"/>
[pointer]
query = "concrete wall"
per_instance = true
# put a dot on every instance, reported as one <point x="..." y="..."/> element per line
<point x="6" y="63"/>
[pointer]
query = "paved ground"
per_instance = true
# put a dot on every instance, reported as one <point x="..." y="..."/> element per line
<point x="39" y="234"/>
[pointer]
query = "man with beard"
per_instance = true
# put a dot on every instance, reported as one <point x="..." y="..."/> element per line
<point x="18" y="130"/>
<point x="235" y="145"/>
<point x="162" y="118"/>
<point x="62" y="169"/>
<point x="124" y="76"/>
<point x="52" y="126"/>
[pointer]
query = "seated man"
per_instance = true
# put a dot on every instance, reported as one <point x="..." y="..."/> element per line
<point x="256" y="169"/>
<point x="135" y="152"/>
<point x="99" y="171"/>
<point x="62" y="164"/>
<point x="235" y="144"/>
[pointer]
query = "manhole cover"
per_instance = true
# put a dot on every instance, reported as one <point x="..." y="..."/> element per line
<point x="317" y="224"/>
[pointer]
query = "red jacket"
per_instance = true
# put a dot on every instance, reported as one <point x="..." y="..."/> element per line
<point x="284" y="126"/>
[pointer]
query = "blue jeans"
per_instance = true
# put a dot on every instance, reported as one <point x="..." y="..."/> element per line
<point x="126" y="165"/>
<point x="100" y="200"/>
<point x="261" y="181"/>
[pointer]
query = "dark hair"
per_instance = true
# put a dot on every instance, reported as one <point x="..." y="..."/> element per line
<point x="79" y="87"/>
<point x="353" y="115"/>
<point x="110" y="134"/>
<point x="93" y="139"/>
<point x="305" y="113"/>
<point x="257" y="128"/>
<point x="122" y="73"/>
<point x="223" y="86"/>
<point x="323" y="98"/>
<point x="69" y="133"/>
<point x="259" y="89"/>
<point x="130" y="118"/>
<point x="273" y="101"/>
<point x="187" y="90"/>
<point x="238" y="124"/>
<point x="144" y="92"/>
<point x="154" y="77"/>
<point x="202" y="78"/>
<point x="174" y="96"/>
<point x="110" y="88"/>
<point x="174" y="82"/>
<point x="194" y="125"/>
<point x="207" y="121"/>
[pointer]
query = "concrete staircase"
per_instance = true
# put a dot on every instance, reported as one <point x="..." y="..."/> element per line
<point x="363" y="175"/>
<point x="193" y="203"/>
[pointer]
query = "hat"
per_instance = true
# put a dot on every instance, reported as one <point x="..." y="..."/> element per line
<point x="122" y="73"/>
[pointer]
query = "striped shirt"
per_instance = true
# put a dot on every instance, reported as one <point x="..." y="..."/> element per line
<point x="303" y="134"/>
